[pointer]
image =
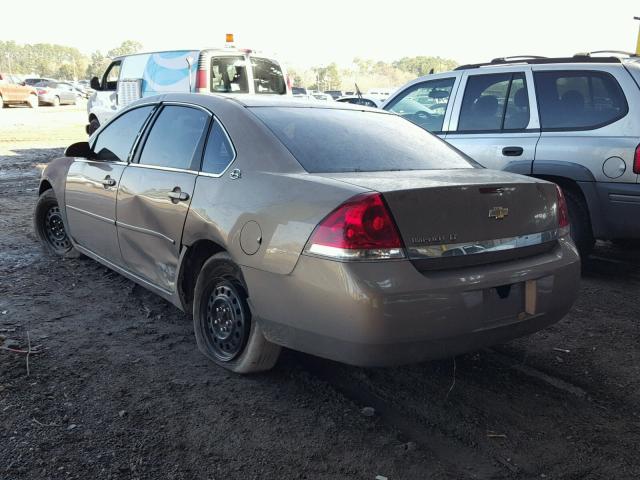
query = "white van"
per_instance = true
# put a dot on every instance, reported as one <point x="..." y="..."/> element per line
<point x="226" y="70"/>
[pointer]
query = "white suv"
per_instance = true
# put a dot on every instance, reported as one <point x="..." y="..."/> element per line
<point x="574" y="121"/>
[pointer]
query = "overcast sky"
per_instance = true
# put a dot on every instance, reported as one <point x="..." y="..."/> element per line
<point x="305" y="33"/>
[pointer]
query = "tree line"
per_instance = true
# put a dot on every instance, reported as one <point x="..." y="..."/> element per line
<point x="367" y="73"/>
<point x="58" y="61"/>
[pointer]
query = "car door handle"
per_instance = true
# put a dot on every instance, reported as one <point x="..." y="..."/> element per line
<point x="512" y="151"/>
<point x="178" y="196"/>
<point x="108" y="181"/>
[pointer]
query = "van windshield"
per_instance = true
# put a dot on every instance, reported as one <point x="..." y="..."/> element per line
<point x="229" y="75"/>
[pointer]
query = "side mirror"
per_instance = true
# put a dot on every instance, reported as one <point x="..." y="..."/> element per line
<point x="79" y="149"/>
<point x="95" y="83"/>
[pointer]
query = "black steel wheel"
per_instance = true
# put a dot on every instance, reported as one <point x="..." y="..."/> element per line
<point x="226" y="331"/>
<point x="226" y="321"/>
<point x="49" y="226"/>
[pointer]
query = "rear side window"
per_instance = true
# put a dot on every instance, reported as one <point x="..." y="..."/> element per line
<point x="335" y="140"/>
<point x="494" y="102"/>
<point x="424" y="104"/>
<point x="570" y="100"/>
<point x="229" y="75"/>
<point x="218" y="153"/>
<point x="268" y="77"/>
<point x="116" y="139"/>
<point x="175" y="137"/>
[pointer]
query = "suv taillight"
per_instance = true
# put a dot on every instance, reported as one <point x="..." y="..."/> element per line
<point x="360" y="229"/>
<point x="636" y="161"/>
<point x="201" y="81"/>
<point x="563" y="214"/>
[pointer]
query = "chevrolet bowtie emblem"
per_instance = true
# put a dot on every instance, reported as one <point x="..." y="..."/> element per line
<point x="498" y="212"/>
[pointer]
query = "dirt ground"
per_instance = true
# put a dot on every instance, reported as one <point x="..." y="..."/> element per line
<point x="116" y="389"/>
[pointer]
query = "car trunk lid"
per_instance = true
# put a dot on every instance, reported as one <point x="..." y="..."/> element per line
<point x="450" y="218"/>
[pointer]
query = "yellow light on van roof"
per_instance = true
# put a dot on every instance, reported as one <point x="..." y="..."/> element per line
<point x="229" y="37"/>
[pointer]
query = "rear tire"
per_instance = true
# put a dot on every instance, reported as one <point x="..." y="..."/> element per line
<point x="225" y="331"/>
<point x="581" y="232"/>
<point x="1" y="102"/>
<point x="56" y="102"/>
<point x="50" y="228"/>
<point x="94" y="125"/>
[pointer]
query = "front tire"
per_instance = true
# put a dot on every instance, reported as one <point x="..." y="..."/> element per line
<point x="49" y="227"/>
<point x="225" y="331"/>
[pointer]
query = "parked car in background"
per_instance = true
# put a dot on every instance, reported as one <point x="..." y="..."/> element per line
<point x="324" y="97"/>
<point x="574" y="121"/>
<point x="380" y="93"/>
<point x="299" y="91"/>
<point x="80" y="92"/>
<point x="221" y="205"/>
<point x="55" y="93"/>
<point x="12" y="93"/>
<point x="32" y="81"/>
<point x="230" y="71"/>
<point x="336" y="94"/>
<point x="361" y="100"/>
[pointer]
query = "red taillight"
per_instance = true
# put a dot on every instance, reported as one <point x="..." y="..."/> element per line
<point x="563" y="214"/>
<point x="359" y="229"/>
<point x="289" y="85"/>
<point x="41" y="91"/>
<point x="636" y="161"/>
<point x="201" y="80"/>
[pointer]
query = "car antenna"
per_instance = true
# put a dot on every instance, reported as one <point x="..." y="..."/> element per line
<point x="358" y="92"/>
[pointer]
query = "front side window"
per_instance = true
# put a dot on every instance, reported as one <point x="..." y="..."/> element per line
<point x="229" y="75"/>
<point x="174" y="137"/>
<point x="110" y="79"/>
<point x="495" y="102"/>
<point x="218" y="153"/>
<point x="424" y="104"/>
<point x="578" y="99"/>
<point x="335" y="140"/>
<point x="116" y="139"/>
<point x="268" y="77"/>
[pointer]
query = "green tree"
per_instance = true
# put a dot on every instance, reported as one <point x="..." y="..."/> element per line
<point x="126" y="48"/>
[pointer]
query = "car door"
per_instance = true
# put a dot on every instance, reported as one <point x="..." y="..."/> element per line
<point x="67" y="95"/>
<point x="92" y="184"/>
<point x="495" y="119"/>
<point x="426" y="103"/>
<point x="155" y="193"/>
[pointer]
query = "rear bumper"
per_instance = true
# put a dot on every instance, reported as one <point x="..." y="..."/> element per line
<point x="388" y="313"/>
<point x="620" y="209"/>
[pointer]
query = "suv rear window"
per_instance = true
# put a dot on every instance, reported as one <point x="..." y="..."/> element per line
<point x="268" y="77"/>
<point x="334" y="140"/>
<point x="570" y="100"/>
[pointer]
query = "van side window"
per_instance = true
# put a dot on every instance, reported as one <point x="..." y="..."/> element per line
<point x="578" y="99"/>
<point x="114" y="143"/>
<point x="175" y="137"/>
<point x="218" y="153"/>
<point x="110" y="78"/>
<point x="424" y="104"/>
<point x="267" y="77"/>
<point x="229" y="75"/>
<point x="494" y="102"/>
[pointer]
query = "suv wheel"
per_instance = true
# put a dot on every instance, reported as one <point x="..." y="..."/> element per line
<point x="580" y="222"/>
<point x="49" y="227"/>
<point x="225" y="330"/>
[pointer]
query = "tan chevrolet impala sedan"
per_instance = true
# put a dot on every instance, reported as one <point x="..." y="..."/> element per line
<point x="340" y="231"/>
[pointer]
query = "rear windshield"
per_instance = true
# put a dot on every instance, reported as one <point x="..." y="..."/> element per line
<point x="334" y="140"/>
<point x="268" y="77"/>
<point x="229" y="75"/>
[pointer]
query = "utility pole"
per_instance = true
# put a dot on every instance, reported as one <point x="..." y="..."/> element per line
<point x="638" y="41"/>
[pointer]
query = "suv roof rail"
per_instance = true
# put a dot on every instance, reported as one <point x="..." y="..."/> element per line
<point x="578" y="58"/>
<point x="598" y="52"/>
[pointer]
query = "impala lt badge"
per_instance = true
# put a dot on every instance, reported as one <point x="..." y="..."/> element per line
<point x="498" y="212"/>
